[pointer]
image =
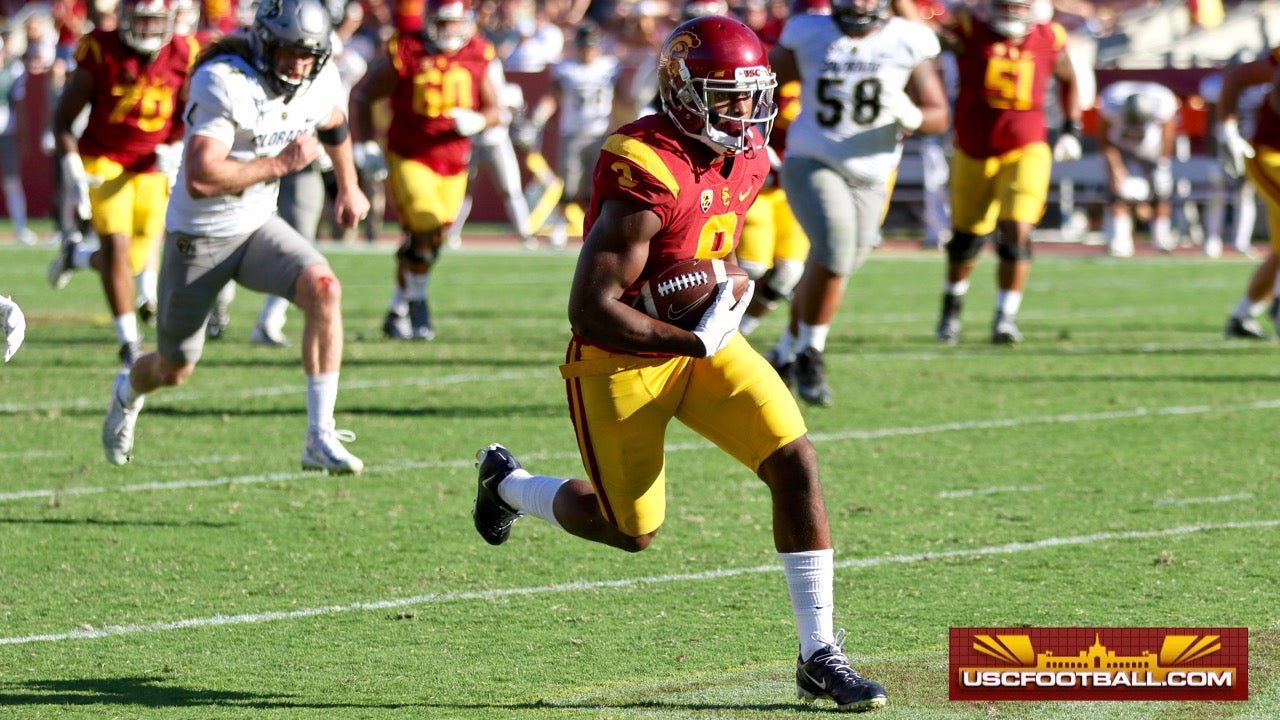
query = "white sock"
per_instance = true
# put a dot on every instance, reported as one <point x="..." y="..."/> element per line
<point x="810" y="580"/>
<point x="1122" y="228"/>
<point x="415" y="286"/>
<point x="322" y="396"/>
<point x="748" y="324"/>
<point x="812" y="336"/>
<point x="1009" y="302"/>
<point x="958" y="288"/>
<point x="127" y="328"/>
<point x="785" y="350"/>
<point x="147" y="283"/>
<point x="399" y="302"/>
<point x="532" y="494"/>
<point x="273" y="309"/>
<point x="81" y="255"/>
<point x="1246" y="308"/>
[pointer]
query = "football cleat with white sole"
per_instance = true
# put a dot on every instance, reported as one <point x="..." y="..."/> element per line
<point x="324" y="451"/>
<point x="60" y="270"/>
<point x="811" y="378"/>
<point x="219" y="319"/>
<point x="1004" y="330"/>
<point x="117" y="428"/>
<point x="264" y="336"/>
<point x="827" y="674"/>
<point x="948" y="330"/>
<point x="494" y="517"/>
<point x="1244" y="328"/>
<point x="396" y="327"/>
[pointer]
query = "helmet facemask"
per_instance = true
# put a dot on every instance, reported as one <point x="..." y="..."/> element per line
<point x="449" y="25"/>
<point x="726" y="134"/>
<point x="859" y="17"/>
<point x="146" y="25"/>
<point x="300" y="27"/>
<point x="1012" y="18"/>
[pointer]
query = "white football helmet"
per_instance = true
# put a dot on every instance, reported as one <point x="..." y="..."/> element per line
<point x="146" y="25"/>
<point x="449" y="24"/>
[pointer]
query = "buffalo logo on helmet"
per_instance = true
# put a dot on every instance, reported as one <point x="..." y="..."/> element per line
<point x="705" y="200"/>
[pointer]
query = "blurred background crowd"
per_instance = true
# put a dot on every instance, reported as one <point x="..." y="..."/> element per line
<point x="1176" y="42"/>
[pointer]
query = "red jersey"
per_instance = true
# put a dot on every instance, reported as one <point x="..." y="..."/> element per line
<point x="134" y="100"/>
<point x="429" y="85"/>
<point x="1266" y="129"/>
<point x="650" y="164"/>
<point x="1000" y="106"/>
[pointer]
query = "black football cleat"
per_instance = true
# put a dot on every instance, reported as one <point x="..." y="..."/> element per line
<point x="948" y="331"/>
<point x="1004" y="330"/>
<point x="492" y="516"/>
<point x="1244" y="328"/>
<point x="811" y="378"/>
<point x="828" y="674"/>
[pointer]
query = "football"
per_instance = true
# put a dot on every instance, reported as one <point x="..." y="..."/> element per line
<point x="681" y="292"/>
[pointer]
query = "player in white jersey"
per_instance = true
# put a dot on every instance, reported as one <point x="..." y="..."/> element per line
<point x="1237" y="192"/>
<point x="1136" y="136"/>
<point x="258" y="103"/>
<point x="582" y="89"/>
<point x="855" y="68"/>
<point x="493" y="150"/>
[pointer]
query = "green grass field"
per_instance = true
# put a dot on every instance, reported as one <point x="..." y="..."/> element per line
<point x="1114" y="470"/>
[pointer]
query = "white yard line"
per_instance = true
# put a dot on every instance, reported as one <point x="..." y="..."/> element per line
<point x="1178" y="410"/>
<point x="438" y="598"/>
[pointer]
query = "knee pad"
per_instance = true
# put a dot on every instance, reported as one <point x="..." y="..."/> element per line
<point x="1013" y="251"/>
<point x="964" y="246"/>
<point x="409" y="253"/>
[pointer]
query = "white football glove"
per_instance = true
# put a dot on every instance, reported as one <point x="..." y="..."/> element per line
<point x="467" y="122"/>
<point x="1232" y="149"/>
<point x="369" y="160"/>
<point x="904" y="112"/>
<point x="1162" y="179"/>
<point x="721" y="320"/>
<point x="14" y="325"/>
<point x="77" y="183"/>
<point x="169" y="159"/>
<point x="1135" y="189"/>
<point x="1067" y="148"/>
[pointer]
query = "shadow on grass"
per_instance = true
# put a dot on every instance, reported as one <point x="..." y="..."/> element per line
<point x="114" y="523"/>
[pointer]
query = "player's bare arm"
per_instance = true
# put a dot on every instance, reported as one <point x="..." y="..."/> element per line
<point x="1116" y="172"/>
<point x="76" y="94"/>
<point x="612" y="257"/>
<point x="1069" y="95"/>
<point x="350" y="205"/>
<point x="925" y="88"/>
<point x="377" y="84"/>
<point x="212" y="172"/>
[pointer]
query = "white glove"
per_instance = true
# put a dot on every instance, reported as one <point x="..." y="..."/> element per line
<point x="720" y="321"/>
<point x="77" y="182"/>
<point x="1162" y="179"/>
<point x="14" y="325"/>
<point x="1232" y="149"/>
<point x="169" y="159"/>
<point x="1067" y="148"/>
<point x="904" y="112"/>
<point x="467" y="122"/>
<point x="369" y="160"/>
<point x="525" y="134"/>
<point x="1135" y="189"/>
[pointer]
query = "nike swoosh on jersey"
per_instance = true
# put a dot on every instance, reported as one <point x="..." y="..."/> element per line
<point x="743" y="195"/>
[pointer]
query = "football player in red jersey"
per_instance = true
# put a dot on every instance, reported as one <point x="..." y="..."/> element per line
<point x="1000" y="170"/>
<point x="133" y="81"/>
<point x="669" y="187"/>
<point x="441" y="95"/>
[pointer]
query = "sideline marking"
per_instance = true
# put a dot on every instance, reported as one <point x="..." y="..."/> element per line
<point x="436" y="598"/>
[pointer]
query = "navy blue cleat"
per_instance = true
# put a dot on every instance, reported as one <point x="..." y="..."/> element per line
<point x="492" y="516"/>
<point x="828" y="675"/>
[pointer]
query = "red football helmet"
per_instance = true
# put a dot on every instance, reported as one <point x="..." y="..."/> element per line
<point x="707" y="62"/>
<point x="146" y="25"/>
<point x="448" y="24"/>
<point x="1012" y="18"/>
